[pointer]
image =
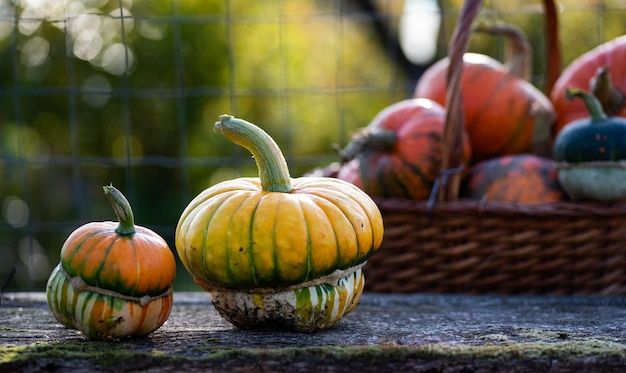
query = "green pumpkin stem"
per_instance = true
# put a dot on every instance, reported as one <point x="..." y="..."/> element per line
<point x="612" y="99"/>
<point x="273" y="170"/>
<point x="368" y="139"/>
<point x="594" y="107"/>
<point x="122" y="209"/>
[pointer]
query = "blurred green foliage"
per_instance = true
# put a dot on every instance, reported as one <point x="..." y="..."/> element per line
<point x="126" y="92"/>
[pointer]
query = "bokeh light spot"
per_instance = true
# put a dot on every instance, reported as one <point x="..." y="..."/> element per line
<point x="16" y="211"/>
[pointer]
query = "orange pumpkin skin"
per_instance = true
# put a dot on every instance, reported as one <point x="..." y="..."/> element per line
<point x="503" y="114"/>
<point x="137" y="265"/>
<point x="520" y="178"/>
<point x="579" y="74"/>
<point x="403" y="156"/>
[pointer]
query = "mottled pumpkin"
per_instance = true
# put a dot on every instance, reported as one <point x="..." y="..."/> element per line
<point x="114" y="279"/>
<point x="519" y="178"/>
<point x="399" y="153"/>
<point x="272" y="236"/>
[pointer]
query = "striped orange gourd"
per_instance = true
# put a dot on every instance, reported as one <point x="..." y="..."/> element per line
<point x="114" y="279"/>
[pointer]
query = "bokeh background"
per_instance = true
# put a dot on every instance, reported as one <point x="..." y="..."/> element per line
<point x="126" y="92"/>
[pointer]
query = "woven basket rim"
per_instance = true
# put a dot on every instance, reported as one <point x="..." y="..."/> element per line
<point x="554" y="209"/>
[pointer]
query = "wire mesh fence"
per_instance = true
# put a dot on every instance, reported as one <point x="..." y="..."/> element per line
<point x="126" y="92"/>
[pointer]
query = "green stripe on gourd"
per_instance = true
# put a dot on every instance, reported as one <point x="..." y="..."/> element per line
<point x="305" y="309"/>
<point x="101" y="316"/>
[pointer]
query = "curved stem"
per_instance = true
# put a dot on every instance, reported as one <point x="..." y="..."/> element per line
<point x="594" y="107"/>
<point x="612" y="99"/>
<point x="519" y="51"/>
<point x="273" y="170"/>
<point x="122" y="209"/>
<point x="375" y="139"/>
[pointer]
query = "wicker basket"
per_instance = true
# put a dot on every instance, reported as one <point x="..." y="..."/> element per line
<point x="462" y="246"/>
<point x="486" y="247"/>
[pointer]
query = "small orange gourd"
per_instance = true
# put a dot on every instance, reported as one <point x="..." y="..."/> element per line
<point x="114" y="279"/>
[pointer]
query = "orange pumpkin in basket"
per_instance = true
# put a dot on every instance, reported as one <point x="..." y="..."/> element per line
<point x="399" y="153"/>
<point x="519" y="178"/>
<point x="504" y="113"/>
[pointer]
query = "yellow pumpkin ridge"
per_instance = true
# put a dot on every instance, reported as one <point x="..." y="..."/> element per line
<point x="250" y="247"/>
<point x="214" y="248"/>
<point x="192" y="236"/>
<point x="309" y="249"/>
<point x="323" y="252"/>
<point x="291" y="239"/>
<point x="263" y="242"/>
<point x="341" y="228"/>
<point x="201" y="249"/>
<point x="240" y="198"/>
<point x="238" y="242"/>
<point x="377" y="234"/>
<point x="350" y="214"/>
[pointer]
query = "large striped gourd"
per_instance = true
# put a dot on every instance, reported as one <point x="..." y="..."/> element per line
<point x="274" y="250"/>
<point x="114" y="278"/>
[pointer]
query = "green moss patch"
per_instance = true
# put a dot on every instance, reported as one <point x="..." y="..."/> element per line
<point x="112" y="356"/>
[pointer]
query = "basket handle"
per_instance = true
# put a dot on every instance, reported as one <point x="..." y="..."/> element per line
<point x="448" y="182"/>
<point x="553" y="46"/>
<point x="453" y="133"/>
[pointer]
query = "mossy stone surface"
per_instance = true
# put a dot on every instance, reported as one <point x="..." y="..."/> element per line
<point x="418" y="333"/>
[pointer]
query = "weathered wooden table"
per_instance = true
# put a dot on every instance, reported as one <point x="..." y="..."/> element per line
<point x="386" y="333"/>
